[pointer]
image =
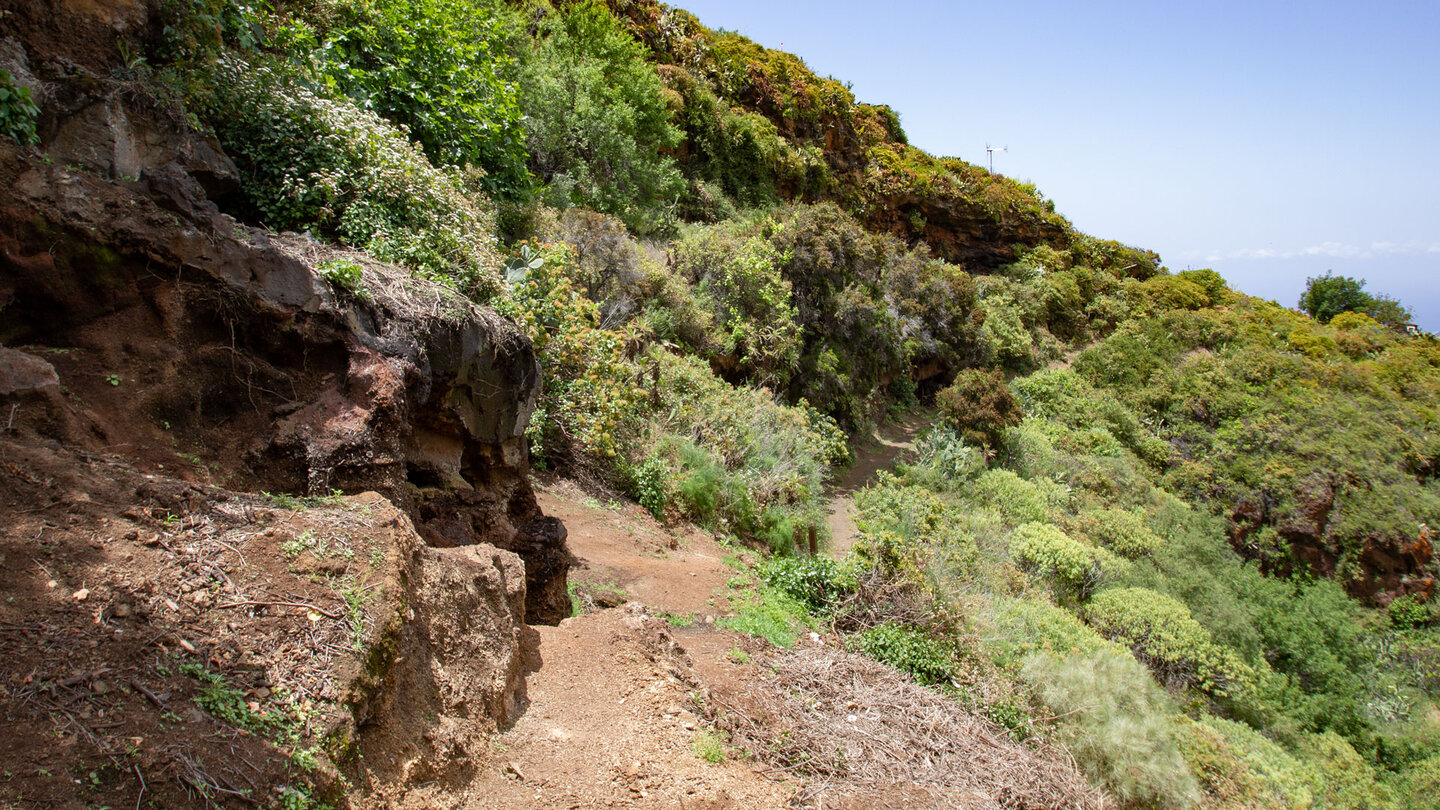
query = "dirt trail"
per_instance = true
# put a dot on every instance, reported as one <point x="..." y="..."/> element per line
<point x="609" y="721"/>
<point x="879" y="451"/>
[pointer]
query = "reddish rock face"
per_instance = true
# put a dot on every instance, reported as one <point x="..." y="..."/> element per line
<point x="168" y="322"/>
<point x="1385" y="567"/>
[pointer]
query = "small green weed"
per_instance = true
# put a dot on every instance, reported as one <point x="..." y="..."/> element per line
<point x="678" y="619"/>
<point x="346" y="274"/>
<point x="771" y="615"/>
<point x="708" y="746"/>
<point x="306" y="541"/>
<point x="225" y="703"/>
<point x="355" y="598"/>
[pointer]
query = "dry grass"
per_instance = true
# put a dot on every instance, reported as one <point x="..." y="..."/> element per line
<point x="862" y="734"/>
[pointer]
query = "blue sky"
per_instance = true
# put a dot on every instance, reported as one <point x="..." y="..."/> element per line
<point x="1271" y="141"/>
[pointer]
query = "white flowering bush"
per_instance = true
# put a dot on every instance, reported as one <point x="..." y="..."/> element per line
<point x="325" y="165"/>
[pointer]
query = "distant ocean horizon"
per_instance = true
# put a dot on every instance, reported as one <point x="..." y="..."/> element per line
<point x="1413" y="280"/>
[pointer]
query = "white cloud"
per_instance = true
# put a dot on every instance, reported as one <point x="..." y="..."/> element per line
<point x="1329" y="250"/>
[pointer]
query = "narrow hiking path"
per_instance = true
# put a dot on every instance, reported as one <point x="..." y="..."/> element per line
<point x="610" y="719"/>
<point x="879" y="451"/>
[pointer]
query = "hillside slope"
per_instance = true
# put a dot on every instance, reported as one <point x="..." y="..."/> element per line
<point x="299" y="297"/>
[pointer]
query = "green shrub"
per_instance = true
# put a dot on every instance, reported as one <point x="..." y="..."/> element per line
<point x="1281" y="775"/>
<point x="1329" y="295"/>
<point x="943" y="460"/>
<point x="1407" y="611"/>
<point x="1340" y="778"/>
<point x="346" y="274"/>
<point x="1122" y="531"/>
<point x="910" y="650"/>
<point x="1019" y="628"/>
<point x="18" y="112"/>
<point x="1072" y="566"/>
<point x="1005" y="333"/>
<point x="590" y="401"/>
<point x="1017" y="498"/>
<point x="649" y="486"/>
<point x="914" y="514"/>
<point x="1116" y="722"/>
<point x="324" y="164"/>
<point x="1224" y="774"/>
<point x="819" y="583"/>
<point x="752" y="306"/>
<point x="1419" y="785"/>
<point x="440" y="68"/>
<point x="597" y="119"/>
<point x="1161" y="632"/>
<point x="1317" y="636"/>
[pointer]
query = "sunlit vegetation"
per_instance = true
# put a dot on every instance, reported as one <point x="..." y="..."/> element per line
<point x="1185" y="532"/>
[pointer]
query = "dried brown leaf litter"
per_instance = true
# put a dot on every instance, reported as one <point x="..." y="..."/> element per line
<point x="857" y="731"/>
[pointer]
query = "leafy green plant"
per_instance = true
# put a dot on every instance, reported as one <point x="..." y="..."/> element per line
<point x="649" y="481"/>
<point x="1017" y="628"/>
<point x="817" y="582"/>
<point x="1407" y="611"/>
<point x="928" y="660"/>
<point x="321" y="163"/>
<point x="224" y="702"/>
<point x="18" y="112"/>
<point x="597" y="121"/>
<point x="346" y="274"/>
<point x="440" y="68"/>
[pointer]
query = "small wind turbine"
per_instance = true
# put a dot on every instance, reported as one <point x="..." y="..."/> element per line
<point x="991" y="150"/>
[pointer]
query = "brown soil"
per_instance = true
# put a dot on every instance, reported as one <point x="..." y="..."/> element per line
<point x="623" y="553"/>
<point x="878" y="451"/>
<point x="610" y="720"/>
<point x="121" y="588"/>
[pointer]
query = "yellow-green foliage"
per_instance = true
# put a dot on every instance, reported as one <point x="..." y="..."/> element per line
<point x="1014" y="629"/>
<point x="915" y="515"/>
<point x="753" y="308"/>
<point x="1240" y="767"/>
<point x="1264" y="406"/>
<point x="1118" y="724"/>
<point x="1073" y="565"/>
<point x="1123" y="531"/>
<point x="1015" y="497"/>
<point x="1340" y="778"/>
<point x="591" y="398"/>
<point x="1419" y="785"/>
<point x="1281" y="777"/>
<point x="1227" y="779"/>
<point x="1161" y="632"/>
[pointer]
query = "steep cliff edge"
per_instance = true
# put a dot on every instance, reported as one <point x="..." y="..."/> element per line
<point x="176" y="331"/>
<point x="183" y="399"/>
